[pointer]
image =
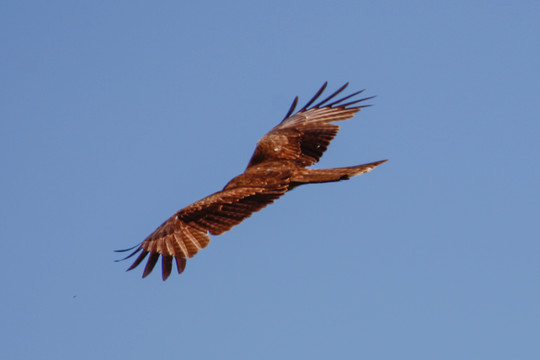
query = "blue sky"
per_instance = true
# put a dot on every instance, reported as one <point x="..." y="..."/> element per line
<point x="113" y="115"/>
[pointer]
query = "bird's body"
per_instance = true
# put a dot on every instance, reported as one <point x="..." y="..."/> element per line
<point x="278" y="165"/>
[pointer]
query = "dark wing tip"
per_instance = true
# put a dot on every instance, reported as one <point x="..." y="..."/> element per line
<point x="180" y="264"/>
<point x="166" y="266"/>
<point x="291" y="109"/>
<point x="356" y="102"/>
<point x="139" y="259"/>
<point x="315" y="97"/>
<point x="152" y="260"/>
<point x="332" y="95"/>
<point x="131" y="248"/>
<point x="138" y="248"/>
<point x="166" y="262"/>
<point x="325" y="103"/>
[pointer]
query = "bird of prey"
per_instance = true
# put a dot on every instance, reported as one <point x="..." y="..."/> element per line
<point x="280" y="163"/>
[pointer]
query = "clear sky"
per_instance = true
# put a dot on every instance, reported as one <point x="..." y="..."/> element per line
<point x="115" y="114"/>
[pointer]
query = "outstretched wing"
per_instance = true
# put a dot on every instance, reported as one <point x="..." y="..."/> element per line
<point x="186" y="232"/>
<point x="305" y="136"/>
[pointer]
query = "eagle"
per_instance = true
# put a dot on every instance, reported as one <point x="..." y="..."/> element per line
<point x="279" y="164"/>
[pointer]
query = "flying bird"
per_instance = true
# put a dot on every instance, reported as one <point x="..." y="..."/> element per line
<point x="279" y="164"/>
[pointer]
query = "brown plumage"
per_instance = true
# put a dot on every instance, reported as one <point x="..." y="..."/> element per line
<point x="277" y="165"/>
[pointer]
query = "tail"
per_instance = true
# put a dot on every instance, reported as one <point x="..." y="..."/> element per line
<point x="308" y="176"/>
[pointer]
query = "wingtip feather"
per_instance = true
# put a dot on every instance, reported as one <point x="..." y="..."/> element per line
<point x="152" y="260"/>
<point x="166" y="266"/>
